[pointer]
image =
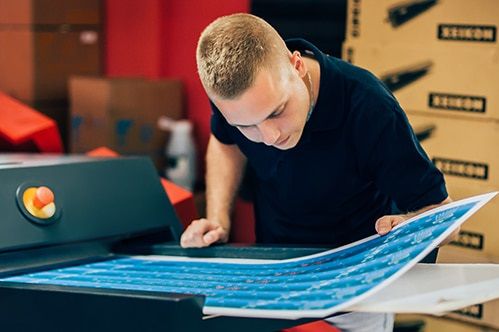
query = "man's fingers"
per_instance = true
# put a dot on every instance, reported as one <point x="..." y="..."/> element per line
<point x="385" y="224"/>
<point x="193" y="235"/>
<point x="201" y="233"/>
<point x="213" y="236"/>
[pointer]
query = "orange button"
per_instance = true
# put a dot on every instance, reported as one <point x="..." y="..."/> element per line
<point x="43" y="196"/>
<point x="39" y="202"/>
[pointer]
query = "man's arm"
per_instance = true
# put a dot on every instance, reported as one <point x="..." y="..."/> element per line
<point x="386" y="223"/>
<point x="224" y="169"/>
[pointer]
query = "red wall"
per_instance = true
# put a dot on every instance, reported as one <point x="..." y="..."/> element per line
<point x="157" y="38"/>
<point x="132" y="38"/>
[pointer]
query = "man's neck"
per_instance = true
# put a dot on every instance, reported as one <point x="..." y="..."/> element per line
<point x="315" y="74"/>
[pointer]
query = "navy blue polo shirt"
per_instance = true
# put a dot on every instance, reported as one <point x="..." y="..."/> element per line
<point x="357" y="160"/>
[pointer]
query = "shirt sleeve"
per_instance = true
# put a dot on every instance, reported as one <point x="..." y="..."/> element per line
<point x="219" y="126"/>
<point x="391" y="156"/>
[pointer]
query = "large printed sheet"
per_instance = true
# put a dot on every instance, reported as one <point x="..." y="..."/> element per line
<point x="312" y="286"/>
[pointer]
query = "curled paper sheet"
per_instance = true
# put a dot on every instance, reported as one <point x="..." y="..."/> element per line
<point x="313" y="286"/>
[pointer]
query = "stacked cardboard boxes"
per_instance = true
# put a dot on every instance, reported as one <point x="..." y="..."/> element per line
<point x="122" y="114"/>
<point x="441" y="61"/>
<point x="42" y="43"/>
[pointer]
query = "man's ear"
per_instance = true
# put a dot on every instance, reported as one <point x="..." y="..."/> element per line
<point x="298" y="63"/>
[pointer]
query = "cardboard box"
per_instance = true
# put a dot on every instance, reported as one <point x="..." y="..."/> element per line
<point x="122" y="114"/>
<point x="37" y="65"/>
<point x="461" y="82"/>
<point x="486" y="314"/>
<point x="427" y="323"/>
<point x="478" y="240"/>
<point x="451" y="254"/>
<point x="455" y="22"/>
<point x="465" y="151"/>
<point x="50" y="11"/>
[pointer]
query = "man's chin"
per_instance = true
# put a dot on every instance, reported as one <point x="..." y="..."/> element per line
<point x="287" y="144"/>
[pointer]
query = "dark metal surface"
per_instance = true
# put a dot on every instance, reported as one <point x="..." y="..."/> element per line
<point x="232" y="250"/>
<point x="96" y="198"/>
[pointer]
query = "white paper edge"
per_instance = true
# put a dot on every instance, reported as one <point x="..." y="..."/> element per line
<point x="438" y="302"/>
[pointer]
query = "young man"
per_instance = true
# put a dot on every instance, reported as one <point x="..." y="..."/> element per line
<point x="334" y="156"/>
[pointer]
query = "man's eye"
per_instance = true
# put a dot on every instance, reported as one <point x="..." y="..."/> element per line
<point x="244" y="127"/>
<point x="275" y="115"/>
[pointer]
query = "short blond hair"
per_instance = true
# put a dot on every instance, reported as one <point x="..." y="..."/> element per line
<point x="232" y="49"/>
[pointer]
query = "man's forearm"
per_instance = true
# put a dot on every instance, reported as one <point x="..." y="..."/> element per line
<point x="429" y="207"/>
<point x="224" y="169"/>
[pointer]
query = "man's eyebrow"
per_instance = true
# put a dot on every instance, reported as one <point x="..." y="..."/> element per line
<point x="280" y="106"/>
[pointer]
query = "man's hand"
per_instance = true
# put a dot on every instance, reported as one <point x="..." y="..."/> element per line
<point x="202" y="233"/>
<point x="386" y="223"/>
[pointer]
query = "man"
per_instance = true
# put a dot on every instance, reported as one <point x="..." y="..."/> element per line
<point x="334" y="156"/>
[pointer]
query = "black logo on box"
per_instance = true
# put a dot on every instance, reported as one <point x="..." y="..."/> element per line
<point x="473" y="311"/>
<point x="445" y="101"/>
<point x="399" y="78"/>
<point x="355" y="18"/>
<point x="469" y="240"/>
<point x="408" y="10"/>
<point x="472" y="33"/>
<point x="466" y="169"/>
<point x="349" y="54"/>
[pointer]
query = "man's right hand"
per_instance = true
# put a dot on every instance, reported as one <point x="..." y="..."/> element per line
<point x="202" y="233"/>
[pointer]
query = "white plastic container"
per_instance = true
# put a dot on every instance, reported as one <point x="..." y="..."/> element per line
<point x="180" y="152"/>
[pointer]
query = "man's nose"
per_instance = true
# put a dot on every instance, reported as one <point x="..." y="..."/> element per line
<point x="269" y="132"/>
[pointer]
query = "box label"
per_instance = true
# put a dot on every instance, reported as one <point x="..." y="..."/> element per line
<point x="474" y="311"/>
<point x="445" y="101"/>
<point x="470" y="240"/>
<point x="471" y="33"/>
<point x="466" y="169"/>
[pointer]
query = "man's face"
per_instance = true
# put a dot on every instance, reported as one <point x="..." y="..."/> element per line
<point x="274" y="109"/>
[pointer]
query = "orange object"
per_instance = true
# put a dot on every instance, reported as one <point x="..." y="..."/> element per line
<point x="20" y="124"/>
<point x="39" y="203"/>
<point x="181" y="199"/>
<point x="43" y="196"/>
<point x="102" y="152"/>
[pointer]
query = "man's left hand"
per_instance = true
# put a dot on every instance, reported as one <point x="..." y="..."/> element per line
<point x="386" y="223"/>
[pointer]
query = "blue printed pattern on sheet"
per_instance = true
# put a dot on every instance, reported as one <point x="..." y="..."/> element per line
<point x="309" y="283"/>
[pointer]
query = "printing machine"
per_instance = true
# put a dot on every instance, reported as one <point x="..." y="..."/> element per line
<point x="100" y="209"/>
